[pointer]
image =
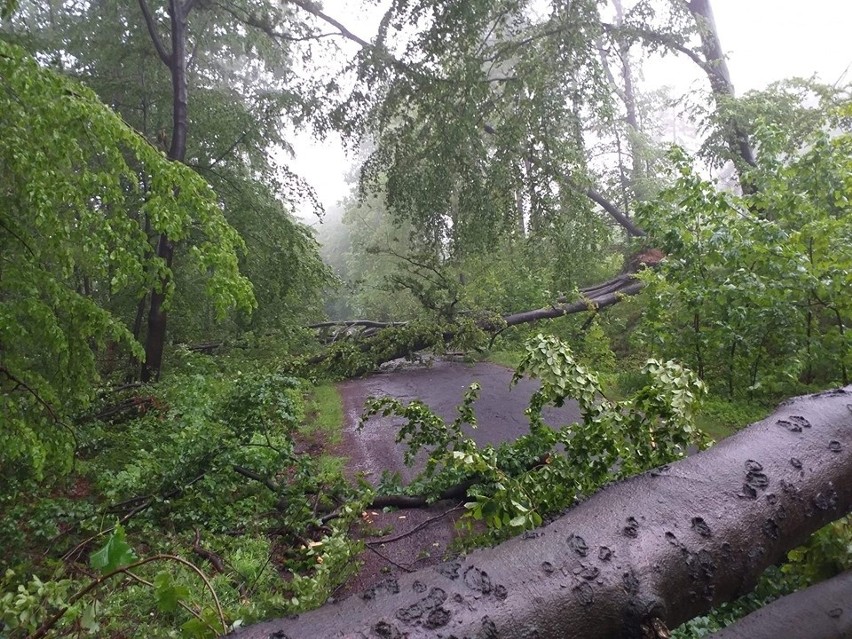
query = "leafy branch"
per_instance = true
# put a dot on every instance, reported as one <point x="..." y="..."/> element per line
<point x="117" y="558"/>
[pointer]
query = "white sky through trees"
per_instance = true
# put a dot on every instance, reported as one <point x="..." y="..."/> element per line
<point x="766" y="41"/>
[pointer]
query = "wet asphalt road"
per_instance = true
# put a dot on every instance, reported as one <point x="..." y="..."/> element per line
<point x="404" y="540"/>
<point x="441" y="386"/>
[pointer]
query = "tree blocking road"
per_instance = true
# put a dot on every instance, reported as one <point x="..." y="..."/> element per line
<point x="637" y="557"/>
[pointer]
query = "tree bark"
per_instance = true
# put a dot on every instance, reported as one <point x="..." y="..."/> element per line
<point x="823" y="611"/>
<point x="712" y="61"/>
<point x="637" y="557"/>
<point x="620" y="217"/>
<point x="628" y="95"/>
<point x="604" y="295"/>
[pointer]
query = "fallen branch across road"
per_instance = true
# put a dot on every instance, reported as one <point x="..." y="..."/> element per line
<point x="370" y="337"/>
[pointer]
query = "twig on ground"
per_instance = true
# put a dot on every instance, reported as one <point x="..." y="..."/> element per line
<point x="390" y="561"/>
<point x="419" y="526"/>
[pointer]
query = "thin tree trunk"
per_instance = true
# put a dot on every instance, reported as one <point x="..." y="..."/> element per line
<point x="809" y="321"/>
<point x="844" y="371"/>
<point x="519" y="209"/>
<point x="731" y="367"/>
<point x="176" y="61"/>
<point x="631" y="112"/>
<point x="699" y="357"/>
<point x="619" y="216"/>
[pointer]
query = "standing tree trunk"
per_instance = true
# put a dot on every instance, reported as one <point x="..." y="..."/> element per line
<point x="637" y="557"/>
<point x="176" y="62"/>
<point x="631" y="112"/>
<point x="721" y="84"/>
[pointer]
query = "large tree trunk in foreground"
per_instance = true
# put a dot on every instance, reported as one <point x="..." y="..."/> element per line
<point x="823" y="611"/>
<point x="649" y="552"/>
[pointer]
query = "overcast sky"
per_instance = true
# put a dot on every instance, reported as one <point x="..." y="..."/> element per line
<point x="766" y="40"/>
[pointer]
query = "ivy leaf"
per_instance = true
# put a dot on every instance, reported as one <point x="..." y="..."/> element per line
<point x="116" y="553"/>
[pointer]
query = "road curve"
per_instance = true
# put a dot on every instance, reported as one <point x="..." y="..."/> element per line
<point x="372" y="449"/>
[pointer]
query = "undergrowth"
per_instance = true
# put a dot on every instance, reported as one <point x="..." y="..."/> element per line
<point x="212" y="483"/>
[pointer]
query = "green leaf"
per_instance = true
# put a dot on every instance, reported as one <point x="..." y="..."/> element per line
<point x="115" y="554"/>
<point x="201" y="628"/>
<point x="167" y="593"/>
<point x="89" y="619"/>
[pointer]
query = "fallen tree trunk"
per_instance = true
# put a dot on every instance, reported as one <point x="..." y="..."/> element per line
<point x="637" y="557"/>
<point x="603" y="295"/>
<point x="823" y="611"/>
<point x="379" y="350"/>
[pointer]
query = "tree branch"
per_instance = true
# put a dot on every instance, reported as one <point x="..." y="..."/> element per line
<point x="664" y="39"/>
<point x="389" y="540"/>
<point x="250" y="20"/>
<point x="17" y="237"/>
<point x="315" y="10"/>
<point x="625" y="289"/>
<point x="592" y="298"/>
<point x="19" y="383"/>
<point x="599" y="199"/>
<point x="363" y="323"/>
<point x="616" y="214"/>
<point x="45" y="627"/>
<point x="155" y="35"/>
<point x="245" y="472"/>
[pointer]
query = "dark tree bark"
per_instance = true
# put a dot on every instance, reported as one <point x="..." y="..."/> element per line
<point x="637" y="557"/>
<point x="175" y="60"/>
<point x="711" y="60"/>
<point x="596" y="298"/>
<point x="823" y="611"/>
<point x="619" y="216"/>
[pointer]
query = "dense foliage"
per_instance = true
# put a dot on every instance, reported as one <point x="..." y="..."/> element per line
<point x="754" y="292"/>
<point x="77" y="182"/>
<point x="515" y="486"/>
<point x="219" y="468"/>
